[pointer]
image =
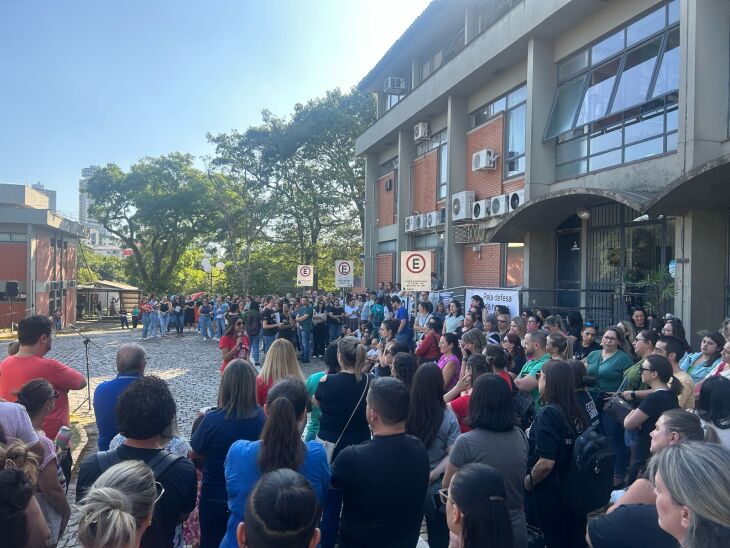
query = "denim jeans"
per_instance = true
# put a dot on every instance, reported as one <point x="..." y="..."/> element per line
<point x="164" y="320"/>
<point x="206" y="326"/>
<point x="335" y="331"/>
<point x="179" y="323"/>
<point x="145" y="325"/>
<point x="268" y="341"/>
<point x="255" y="341"/>
<point x="220" y="324"/>
<point x="615" y="433"/>
<point x="306" y="344"/>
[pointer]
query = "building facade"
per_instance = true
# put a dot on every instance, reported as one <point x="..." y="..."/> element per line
<point x="38" y="250"/>
<point x="574" y="148"/>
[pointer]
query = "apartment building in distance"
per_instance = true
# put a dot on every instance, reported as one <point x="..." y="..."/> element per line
<point x="569" y="147"/>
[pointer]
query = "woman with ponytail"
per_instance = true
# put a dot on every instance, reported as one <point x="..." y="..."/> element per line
<point x="341" y="398"/>
<point x="280" y="446"/>
<point x="657" y="373"/>
<point x="118" y="507"/>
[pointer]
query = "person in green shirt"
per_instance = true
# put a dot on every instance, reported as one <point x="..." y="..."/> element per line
<point x="526" y="382"/>
<point x="607" y="366"/>
<point x="644" y="347"/>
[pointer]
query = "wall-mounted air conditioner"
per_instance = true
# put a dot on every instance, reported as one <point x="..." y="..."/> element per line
<point x="484" y="159"/>
<point x="515" y="199"/>
<point x="394" y="85"/>
<point x="461" y="204"/>
<point x="420" y="131"/>
<point x="411" y="223"/>
<point x="434" y="219"/>
<point x="421" y="221"/>
<point x="480" y="209"/>
<point x="498" y="205"/>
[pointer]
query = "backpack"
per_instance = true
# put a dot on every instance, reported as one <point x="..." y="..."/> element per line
<point x="159" y="463"/>
<point x="253" y="325"/>
<point x="524" y="408"/>
<point x="589" y="482"/>
<point x="378" y="311"/>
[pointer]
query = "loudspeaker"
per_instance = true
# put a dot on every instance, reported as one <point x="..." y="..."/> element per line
<point x="11" y="289"/>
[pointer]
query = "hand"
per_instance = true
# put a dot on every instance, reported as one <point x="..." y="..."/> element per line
<point x="527" y="483"/>
<point x="464" y="383"/>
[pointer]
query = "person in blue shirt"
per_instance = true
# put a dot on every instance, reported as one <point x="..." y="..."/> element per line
<point x="405" y="331"/>
<point x="280" y="446"/>
<point x="131" y="359"/>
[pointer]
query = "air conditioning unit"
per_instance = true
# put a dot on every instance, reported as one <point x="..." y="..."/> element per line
<point x="499" y="205"/>
<point x="395" y="86"/>
<point x="411" y="223"/>
<point x="480" y="209"/>
<point x="420" y="131"/>
<point x="515" y="199"/>
<point x="434" y="219"/>
<point x="484" y="159"/>
<point x="461" y="204"/>
<point x="421" y="221"/>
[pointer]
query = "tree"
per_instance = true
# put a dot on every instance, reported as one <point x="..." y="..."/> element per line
<point x="92" y="267"/>
<point x="157" y="209"/>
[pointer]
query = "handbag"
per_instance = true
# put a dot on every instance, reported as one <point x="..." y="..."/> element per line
<point x="535" y="536"/>
<point x="616" y="407"/>
<point x="329" y="447"/>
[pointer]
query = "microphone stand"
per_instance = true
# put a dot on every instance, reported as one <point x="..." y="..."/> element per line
<point x="86" y="340"/>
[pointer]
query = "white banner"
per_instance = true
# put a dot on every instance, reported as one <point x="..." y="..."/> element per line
<point x="509" y="297"/>
<point x="344" y="274"/>
<point x="415" y="270"/>
<point x="305" y="275"/>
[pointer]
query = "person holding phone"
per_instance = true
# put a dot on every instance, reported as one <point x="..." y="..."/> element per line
<point x="234" y="343"/>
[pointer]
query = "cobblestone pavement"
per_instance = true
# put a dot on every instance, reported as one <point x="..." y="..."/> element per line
<point x="189" y="365"/>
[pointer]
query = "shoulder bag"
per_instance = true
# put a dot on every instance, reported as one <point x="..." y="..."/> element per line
<point x="616" y="407"/>
<point x="330" y="447"/>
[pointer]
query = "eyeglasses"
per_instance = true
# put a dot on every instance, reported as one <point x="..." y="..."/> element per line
<point x="607" y="338"/>
<point x="160" y="491"/>
<point x="501" y="321"/>
<point x="239" y="323"/>
<point x="646" y="370"/>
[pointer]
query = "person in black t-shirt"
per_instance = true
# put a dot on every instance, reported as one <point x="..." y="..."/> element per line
<point x="269" y="323"/>
<point x="335" y="315"/>
<point x="145" y="409"/>
<point x="384" y="480"/>
<point x="656" y="371"/>
<point x="587" y="343"/>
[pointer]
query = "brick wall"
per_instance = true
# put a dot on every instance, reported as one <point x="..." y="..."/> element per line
<point x="425" y="173"/>
<point x="484" y="272"/>
<point x="14" y="260"/>
<point x="488" y="182"/>
<point x="384" y="269"/>
<point x="386" y="200"/>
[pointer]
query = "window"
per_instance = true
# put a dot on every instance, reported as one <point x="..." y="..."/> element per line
<point x="443" y="177"/>
<point x="391" y="101"/>
<point x="514" y="258"/>
<point x="435" y="141"/>
<point x="387" y="167"/>
<point x="630" y="67"/>
<point x="389" y="246"/>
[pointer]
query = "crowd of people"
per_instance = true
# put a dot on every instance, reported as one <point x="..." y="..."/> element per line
<point x="430" y="422"/>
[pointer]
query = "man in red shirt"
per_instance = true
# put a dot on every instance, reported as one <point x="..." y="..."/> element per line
<point x="34" y="336"/>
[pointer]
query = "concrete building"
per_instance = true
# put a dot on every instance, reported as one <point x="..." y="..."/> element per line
<point x="84" y="200"/>
<point x="38" y="250"/>
<point x="98" y="238"/>
<point x="51" y="194"/>
<point x="593" y="134"/>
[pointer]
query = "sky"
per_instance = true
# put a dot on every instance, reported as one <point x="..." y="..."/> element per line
<point x="94" y="82"/>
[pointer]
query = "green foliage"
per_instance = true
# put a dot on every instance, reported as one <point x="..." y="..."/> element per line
<point x="157" y="209"/>
<point x="92" y="267"/>
<point x="660" y="291"/>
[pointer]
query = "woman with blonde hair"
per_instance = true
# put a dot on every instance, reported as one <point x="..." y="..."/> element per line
<point x="118" y="507"/>
<point x="517" y="326"/>
<point x="280" y="361"/>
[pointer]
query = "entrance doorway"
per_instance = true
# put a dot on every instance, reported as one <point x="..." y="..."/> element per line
<point x="567" y="273"/>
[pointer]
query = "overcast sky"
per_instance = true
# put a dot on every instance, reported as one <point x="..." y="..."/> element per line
<point x="92" y="82"/>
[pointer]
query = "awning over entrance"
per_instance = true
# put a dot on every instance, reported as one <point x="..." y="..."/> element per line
<point x="705" y="187"/>
<point x="549" y="210"/>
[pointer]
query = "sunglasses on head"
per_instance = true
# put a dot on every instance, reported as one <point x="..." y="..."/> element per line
<point x="589" y="324"/>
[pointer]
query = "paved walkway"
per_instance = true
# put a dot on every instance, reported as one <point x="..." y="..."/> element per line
<point x="189" y="365"/>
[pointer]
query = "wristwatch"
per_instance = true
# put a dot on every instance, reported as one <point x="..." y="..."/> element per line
<point x="633" y="394"/>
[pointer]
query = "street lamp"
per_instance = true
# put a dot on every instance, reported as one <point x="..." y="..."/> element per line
<point x="210" y="269"/>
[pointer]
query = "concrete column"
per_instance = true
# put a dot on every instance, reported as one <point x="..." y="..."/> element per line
<point x="371" y="212"/>
<point x="30" y="275"/>
<point x="458" y="125"/>
<point x="705" y="57"/>
<point x="542" y="76"/>
<point x="539" y="267"/>
<point x="701" y="247"/>
<point x="406" y="154"/>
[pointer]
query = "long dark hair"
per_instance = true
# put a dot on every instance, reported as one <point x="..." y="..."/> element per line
<point x="718" y="339"/>
<point x="426" y="412"/>
<point x="518" y="350"/>
<point x="453" y="340"/>
<point x="490" y="404"/>
<point x="661" y="366"/>
<point x="714" y="403"/>
<point x="498" y="359"/>
<point x="478" y="490"/>
<point x="477" y="364"/>
<point x="392" y="326"/>
<point x="281" y="442"/>
<point x="560" y="390"/>
<point x="232" y="324"/>
<point x="405" y="366"/>
<point x="34" y="394"/>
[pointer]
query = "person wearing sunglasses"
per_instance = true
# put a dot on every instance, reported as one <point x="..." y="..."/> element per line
<point x="39" y="398"/>
<point x="235" y="343"/>
<point x="118" y="508"/>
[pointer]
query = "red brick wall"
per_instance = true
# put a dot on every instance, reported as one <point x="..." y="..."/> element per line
<point x="387" y="211"/>
<point x="13" y="263"/>
<point x="41" y="303"/>
<point x="425" y="174"/>
<point x="484" y="272"/>
<point x="44" y="257"/>
<point x="69" y="268"/>
<point x="486" y="183"/>
<point x="384" y="269"/>
<point x="69" y="312"/>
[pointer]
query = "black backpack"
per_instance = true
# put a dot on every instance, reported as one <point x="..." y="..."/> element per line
<point x="589" y="481"/>
<point x="159" y="463"/>
<point x="253" y="324"/>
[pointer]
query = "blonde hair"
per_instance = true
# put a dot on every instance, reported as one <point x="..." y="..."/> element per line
<point x="280" y="361"/>
<point x="16" y="454"/>
<point x="353" y="355"/>
<point x="237" y="392"/>
<point x="116" y="506"/>
<point x="520" y="323"/>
